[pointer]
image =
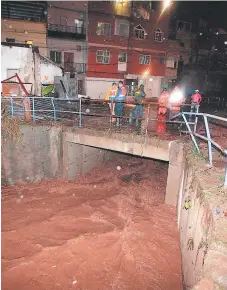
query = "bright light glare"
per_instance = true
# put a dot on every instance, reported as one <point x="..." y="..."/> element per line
<point x="225" y="42"/>
<point x="166" y="4"/>
<point x="176" y="97"/>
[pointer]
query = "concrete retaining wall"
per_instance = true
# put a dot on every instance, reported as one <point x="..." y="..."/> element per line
<point x="37" y="155"/>
<point x="203" y="233"/>
<point x="42" y="153"/>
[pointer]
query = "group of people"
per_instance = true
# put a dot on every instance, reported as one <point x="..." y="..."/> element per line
<point x="169" y="104"/>
<point x="172" y="102"/>
<point x="116" y="94"/>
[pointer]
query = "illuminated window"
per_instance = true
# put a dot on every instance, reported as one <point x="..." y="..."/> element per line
<point x="158" y="35"/>
<point x="79" y="26"/>
<point x="103" y="29"/>
<point x="145" y="59"/>
<point x="122" y="57"/>
<point x="103" y="56"/>
<point x="139" y="32"/>
<point x="171" y="62"/>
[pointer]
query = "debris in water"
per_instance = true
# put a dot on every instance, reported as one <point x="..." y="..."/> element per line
<point x="118" y="167"/>
<point x="74" y="282"/>
<point x="21" y="196"/>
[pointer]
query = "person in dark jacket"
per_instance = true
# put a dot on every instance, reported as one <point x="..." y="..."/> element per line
<point x="137" y="113"/>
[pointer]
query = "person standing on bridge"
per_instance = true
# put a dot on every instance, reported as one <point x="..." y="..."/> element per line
<point x="120" y="99"/>
<point x="162" y="111"/>
<point x="195" y="102"/>
<point x="137" y="114"/>
<point x="110" y="96"/>
<point x="163" y="100"/>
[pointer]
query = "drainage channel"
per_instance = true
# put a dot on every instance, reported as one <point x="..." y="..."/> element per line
<point x="106" y="229"/>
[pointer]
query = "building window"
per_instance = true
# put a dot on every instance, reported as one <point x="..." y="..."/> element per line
<point x="158" y="35"/>
<point x="145" y="59"/>
<point x="55" y="56"/>
<point x="122" y="28"/>
<point x="103" y="29"/>
<point x="103" y="56"/>
<point x="79" y="26"/>
<point x="171" y="63"/>
<point x="139" y="32"/>
<point x="122" y="57"/>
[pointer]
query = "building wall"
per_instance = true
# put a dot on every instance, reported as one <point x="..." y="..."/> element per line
<point x="96" y="88"/>
<point x="23" y="31"/>
<point x="48" y="71"/>
<point x="20" y="60"/>
<point x="17" y="58"/>
<point x="156" y="68"/>
<point x="107" y="13"/>
<point x="63" y="45"/>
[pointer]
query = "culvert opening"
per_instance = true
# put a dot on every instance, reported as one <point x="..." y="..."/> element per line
<point x="107" y="228"/>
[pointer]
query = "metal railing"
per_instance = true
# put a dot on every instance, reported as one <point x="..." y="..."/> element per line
<point x="211" y="143"/>
<point x="219" y="102"/>
<point x="89" y="113"/>
<point x="67" y="29"/>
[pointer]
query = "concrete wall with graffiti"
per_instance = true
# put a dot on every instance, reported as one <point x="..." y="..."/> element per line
<point x="48" y="70"/>
<point x="204" y="261"/>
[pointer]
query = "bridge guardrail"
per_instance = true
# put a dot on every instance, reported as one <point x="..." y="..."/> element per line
<point x="211" y="143"/>
<point x="44" y="108"/>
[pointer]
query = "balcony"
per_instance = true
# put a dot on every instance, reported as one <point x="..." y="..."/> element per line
<point x="66" y="32"/>
<point x="77" y="68"/>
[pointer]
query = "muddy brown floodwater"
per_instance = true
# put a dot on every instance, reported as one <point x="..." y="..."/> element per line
<point x="106" y="230"/>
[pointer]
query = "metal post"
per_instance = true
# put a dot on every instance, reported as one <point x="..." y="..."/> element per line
<point x="208" y="137"/>
<point x="33" y="109"/>
<point x="80" y="114"/>
<point x="225" y="182"/>
<point x="147" y="119"/>
<point x="196" y="118"/>
<point x="190" y="131"/>
<point x="111" y="112"/>
<point x="11" y="107"/>
<point x="55" y="116"/>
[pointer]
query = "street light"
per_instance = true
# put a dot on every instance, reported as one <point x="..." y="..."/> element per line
<point x="166" y="4"/>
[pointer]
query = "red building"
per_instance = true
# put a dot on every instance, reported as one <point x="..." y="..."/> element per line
<point x="126" y="41"/>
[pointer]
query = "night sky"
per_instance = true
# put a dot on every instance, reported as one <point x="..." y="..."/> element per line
<point x="214" y="12"/>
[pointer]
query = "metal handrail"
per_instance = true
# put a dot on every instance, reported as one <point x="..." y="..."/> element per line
<point x="208" y="138"/>
<point x="48" y="106"/>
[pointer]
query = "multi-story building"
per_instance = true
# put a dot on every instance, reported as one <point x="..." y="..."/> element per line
<point x="126" y="41"/>
<point x="181" y="48"/>
<point x="66" y="37"/>
<point x="24" y="22"/>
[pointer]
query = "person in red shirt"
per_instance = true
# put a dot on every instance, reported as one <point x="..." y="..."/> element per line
<point x="162" y="102"/>
<point x="195" y="101"/>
